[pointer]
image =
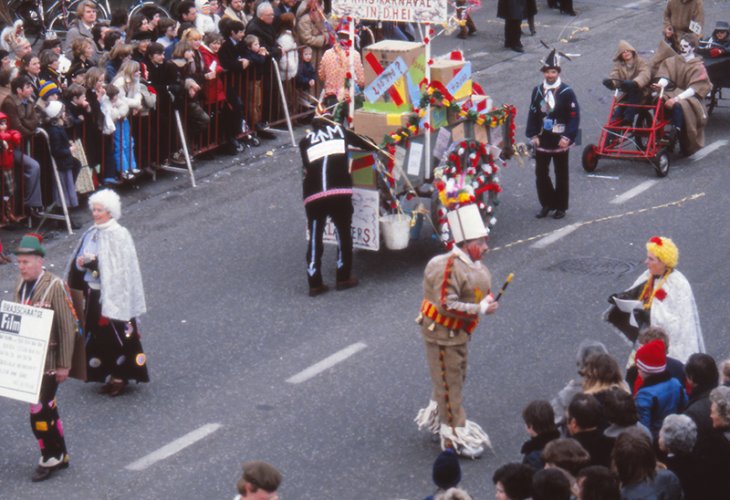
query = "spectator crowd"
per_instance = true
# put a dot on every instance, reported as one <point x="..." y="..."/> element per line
<point x="106" y="95"/>
<point x="661" y="430"/>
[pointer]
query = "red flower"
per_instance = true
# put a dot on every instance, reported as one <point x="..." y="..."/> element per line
<point x="656" y="240"/>
<point x="660" y="294"/>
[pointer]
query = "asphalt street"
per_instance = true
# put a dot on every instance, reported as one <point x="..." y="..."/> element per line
<point x="230" y="329"/>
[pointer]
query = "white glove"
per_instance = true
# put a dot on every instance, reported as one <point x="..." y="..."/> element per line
<point x="663" y="82"/>
<point x="484" y="304"/>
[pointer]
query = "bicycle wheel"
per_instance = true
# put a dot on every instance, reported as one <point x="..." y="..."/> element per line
<point x="149" y="10"/>
<point x="60" y="23"/>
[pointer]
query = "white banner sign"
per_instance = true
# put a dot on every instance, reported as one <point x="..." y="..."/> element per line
<point x="24" y="332"/>
<point x="365" y="225"/>
<point x="415" y="11"/>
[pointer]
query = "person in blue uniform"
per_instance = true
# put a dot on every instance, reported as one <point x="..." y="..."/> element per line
<point x="552" y="126"/>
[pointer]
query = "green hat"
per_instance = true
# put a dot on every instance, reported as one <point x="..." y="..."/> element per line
<point x="30" y="244"/>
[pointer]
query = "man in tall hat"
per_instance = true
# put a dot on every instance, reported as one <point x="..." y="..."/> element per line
<point x="552" y="126"/>
<point x="457" y="290"/>
<point x="327" y="191"/>
<point x="39" y="288"/>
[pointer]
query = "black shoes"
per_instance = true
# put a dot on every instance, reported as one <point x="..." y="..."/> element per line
<point x="348" y="283"/>
<point x="318" y="290"/>
<point x="518" y="48"/>
<point x="544" y="211"/>
<point x="559" y="214"/>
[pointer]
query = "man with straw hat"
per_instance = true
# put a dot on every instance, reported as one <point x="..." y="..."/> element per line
<point x="457" y="290"/>
<point x="39" y="288"/>
<point x="327" y="190"/>
<point x="664" y="299"/>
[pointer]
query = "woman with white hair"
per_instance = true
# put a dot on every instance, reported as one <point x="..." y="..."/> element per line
<point x="677" y="439"/>
<point x="105" y="266"/>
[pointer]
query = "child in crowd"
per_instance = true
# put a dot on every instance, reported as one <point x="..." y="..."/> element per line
<point x="306" y="75"/>
<point x="78" y="108"/>
<point x="115" y="110"/>
<point x="9" y="140"/>
<point x="539" y="421"/>
<point x="168" y="28"/>
<point x="128" y="82"/>
<point x="257" y="54"/>
<point x="62" y="152"/>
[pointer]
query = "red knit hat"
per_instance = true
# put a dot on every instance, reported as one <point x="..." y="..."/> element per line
<point x="652" y="357"/>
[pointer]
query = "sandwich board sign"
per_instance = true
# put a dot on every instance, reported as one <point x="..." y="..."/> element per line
<point x="24" y="336"/>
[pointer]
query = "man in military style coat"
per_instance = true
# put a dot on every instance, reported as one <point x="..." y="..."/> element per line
<point x="552" y="126"/>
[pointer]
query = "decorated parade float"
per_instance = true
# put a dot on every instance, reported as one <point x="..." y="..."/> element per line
<point x="442" y="139"/>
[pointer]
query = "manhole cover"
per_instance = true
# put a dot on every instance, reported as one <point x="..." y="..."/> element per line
<point x="594" y="266"/>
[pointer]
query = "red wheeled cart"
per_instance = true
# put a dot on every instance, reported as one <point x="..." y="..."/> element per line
<point x="643" y="139"/>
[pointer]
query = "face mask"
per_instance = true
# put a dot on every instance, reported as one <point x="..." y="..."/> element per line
<point x="686" y="49"/>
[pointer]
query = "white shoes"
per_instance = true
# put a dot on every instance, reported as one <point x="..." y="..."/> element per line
<point x="470" y="451"/>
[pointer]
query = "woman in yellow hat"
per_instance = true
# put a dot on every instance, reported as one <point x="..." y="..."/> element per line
<point x="664" y="299"/>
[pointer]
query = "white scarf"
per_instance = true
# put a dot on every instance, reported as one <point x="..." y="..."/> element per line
<point x="549" y="89"/>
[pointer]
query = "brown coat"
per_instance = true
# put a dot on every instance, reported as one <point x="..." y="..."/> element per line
<point x="22" y="117"/>
<point x="51" y="293"/>
<point x="686" y="74"/>
<point x="678" y="14"/>
<point x="637" y="71"/>
<point x="311" y="31"/>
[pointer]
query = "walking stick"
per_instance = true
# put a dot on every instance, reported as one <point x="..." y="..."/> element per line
<point x="504" y="287"/>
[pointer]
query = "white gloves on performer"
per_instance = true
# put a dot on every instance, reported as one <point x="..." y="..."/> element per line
<point x="488" y="305"/>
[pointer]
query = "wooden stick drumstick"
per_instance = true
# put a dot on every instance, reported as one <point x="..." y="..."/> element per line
<point x="504" y="287"/>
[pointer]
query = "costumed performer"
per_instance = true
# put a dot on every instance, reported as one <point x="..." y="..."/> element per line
<point x="105" y="266"/>
<point x="457" y="290"/>
<point x="666" y="300"/>
<point x="40" y="288"/>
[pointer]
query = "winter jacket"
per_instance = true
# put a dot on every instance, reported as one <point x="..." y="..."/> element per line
<point x="311" y="32"/>
<point x="129" y="92"/>
<point x="12" y="139"/>
<point x="289" y="62"/>
<point x="21" y="115"/>
<point x="213" y="89"/>
<point x="266" y="35"/>
<point x="664" y="486"/>
<point x="532" y="449"/>
<point x="305" y="73"/>
<point x="661" y="395"/>
<point x="511" y="9"/>
<point x="638" y="70"/>
<point x="60" y="147"/>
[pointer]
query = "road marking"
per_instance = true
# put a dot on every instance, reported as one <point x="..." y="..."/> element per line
<point x="633" y="192"/>
<point x="171" y="448"/>
<point x="707" y="150"/>
<point x="611" y="177"/>
<point x="676" y="203"/>
<point x="326" y="363"/>
<point x="556" y="235"/>
<point x="634" y="5"/>
<point x="478" y="54"/>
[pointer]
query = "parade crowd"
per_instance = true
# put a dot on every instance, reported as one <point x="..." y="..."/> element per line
<point x="107" y="92"/>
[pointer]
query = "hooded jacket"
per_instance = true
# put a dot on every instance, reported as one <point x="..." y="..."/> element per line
<point x="637" y="69"/>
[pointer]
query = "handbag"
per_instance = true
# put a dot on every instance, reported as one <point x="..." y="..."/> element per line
<point x="85" y="179"/>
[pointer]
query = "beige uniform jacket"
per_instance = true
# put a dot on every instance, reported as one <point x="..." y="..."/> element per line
<point x="454" y="285"/>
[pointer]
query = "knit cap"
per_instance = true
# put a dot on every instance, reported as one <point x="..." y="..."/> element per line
<point x="652" y="357"/>
<point x="47" y="88"/>
<point x="663" y="249"/>
<point x="446" y="470"/>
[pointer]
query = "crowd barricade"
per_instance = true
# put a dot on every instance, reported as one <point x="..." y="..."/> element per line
<point x="156" y="134"/>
